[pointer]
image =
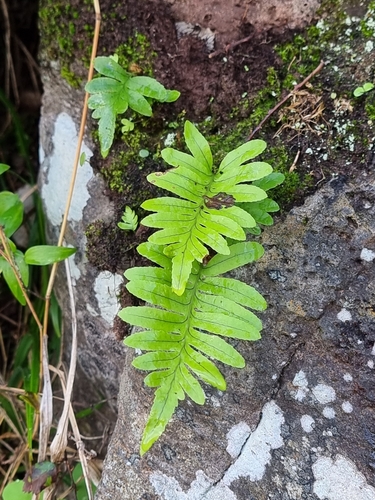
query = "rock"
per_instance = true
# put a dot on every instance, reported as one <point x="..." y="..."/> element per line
<point x="100" y="355"/>
<point x="298" y="421"/>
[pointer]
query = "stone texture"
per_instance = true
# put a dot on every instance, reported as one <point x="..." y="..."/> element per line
<point x="298" y="421"/>
<point x="100" y="355"/>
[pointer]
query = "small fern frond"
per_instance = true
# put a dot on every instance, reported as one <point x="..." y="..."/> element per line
<point x="206" y="214"/>
<point x="129" y="220"/>
<point x="184" y="333"/>
<point x="116" y="91"/>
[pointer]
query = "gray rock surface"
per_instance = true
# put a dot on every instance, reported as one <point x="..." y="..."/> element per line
<point x="298" y="422"/>
<point x="100" y="355"/>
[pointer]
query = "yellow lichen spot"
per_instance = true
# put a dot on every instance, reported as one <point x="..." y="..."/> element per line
<point x="296" y="308"/>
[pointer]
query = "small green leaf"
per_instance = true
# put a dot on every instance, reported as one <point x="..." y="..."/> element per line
<point x="80" y="485"/>
<point x="108" y="66"/>
<point x="172" y="96"/>
<point x="3" y="168"/>
<point x="362" y="90"/>
<point x="23" y="268"/>
<point x="11" y="280"/>
<point x="14" y="491"/>
<point x="128" y="126"/>
<point x="216" y="348"/>
<point x="43" y="255"/>
<point x="129" y="220"/>
<point x="368" y="86"/>
<point x="11" y="212"/>
<point x="82" y="159"/>
<point x="191" y="386"/>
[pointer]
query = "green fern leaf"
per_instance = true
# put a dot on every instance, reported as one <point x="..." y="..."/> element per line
<point x="260" y="210"/>
<point x="185" y="333"/>
<point x="116" y="91"/>
<point x="207" y="213"/>
<point x="129" y="220"/>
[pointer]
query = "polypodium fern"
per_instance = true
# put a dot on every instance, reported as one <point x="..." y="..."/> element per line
<point x="207" y="213"/>
<point x="184" y="332"/>
<point x="118" y="90"/>
<point x="260" y="210"/>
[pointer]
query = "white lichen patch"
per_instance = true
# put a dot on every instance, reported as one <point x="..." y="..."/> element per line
<point x="324" y="393"/>
<point x="344" y="315"/>
<point x="347" y="407"/>
<point x="256" y="453"/>
<point x="329" y="412"/>
<point x="370" y="363"/>
<point x="57" y="169"/>
<point x="347" y="377"/>
<point x="170" y="139"/>
<point x="367" y="255"/>
<point x="307" y="423"/>
<point x="339" y="479"/>
<point x="369" y="46"/>
<point x="236" y="438"/>
<point x="254" y="456"/>
<point x="106" y="289"/>
<point x="202" y="487"/>
<point x="300" y="381"/>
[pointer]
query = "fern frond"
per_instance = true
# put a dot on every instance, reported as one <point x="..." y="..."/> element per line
<point x="184" y="333"/>
<point x="260" y="210"/>
<point x="129" y="220"/>
<point x="206" y="215"/>
<point x="116" y="91"/>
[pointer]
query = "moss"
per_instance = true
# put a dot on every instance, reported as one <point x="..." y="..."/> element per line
<point x="370" y="110"/>
<point x="136" y="55"/>
<point x="104" y="245"/>
<point x="368" y="28"/>
<point x="295" y="184"/>
<point x="62" y="37"/>
<point x="70" y="77"/>
<point x="124" y="154"/>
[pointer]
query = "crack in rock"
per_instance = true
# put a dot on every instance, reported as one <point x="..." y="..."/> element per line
<point x="251" y="463"/>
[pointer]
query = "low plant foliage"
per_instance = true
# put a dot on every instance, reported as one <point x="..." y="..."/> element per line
<point x="14" y="265"/>
<point x="116" y="91"/>
<point x="192" y="307"/>
<point x="129" y="220"/>
<point x="207" y="212"/>
<point x="366" y="87"/>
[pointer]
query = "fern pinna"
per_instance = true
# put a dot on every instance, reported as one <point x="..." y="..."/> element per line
<point x="195" y="306"/>
<point x="208" y="213"/>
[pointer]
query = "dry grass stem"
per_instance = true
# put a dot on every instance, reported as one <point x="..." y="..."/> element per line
<point x="305" y="112"/>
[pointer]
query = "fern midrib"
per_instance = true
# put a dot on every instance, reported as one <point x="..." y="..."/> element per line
<point x="184" y="342"/>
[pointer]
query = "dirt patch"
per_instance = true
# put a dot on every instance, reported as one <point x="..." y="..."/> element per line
<point x="227" y="18"/>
